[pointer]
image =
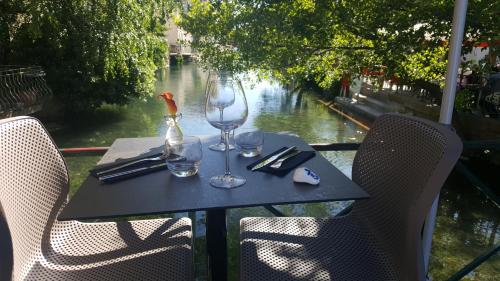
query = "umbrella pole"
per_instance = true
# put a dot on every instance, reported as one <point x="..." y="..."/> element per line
<point x="447" y="104"/>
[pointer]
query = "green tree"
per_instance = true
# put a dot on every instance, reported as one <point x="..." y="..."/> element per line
<point x="93" y="51"/>
<point x="427" y="65"/>
<point x="322" y="40"/>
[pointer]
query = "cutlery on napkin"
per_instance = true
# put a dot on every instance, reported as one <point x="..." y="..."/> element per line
<point x="131" y="173"/>
<point x="273" y="158"/>
<point x="129" y="168"/>
<point x="278" y="163"/>
<point x="287" y="165"/>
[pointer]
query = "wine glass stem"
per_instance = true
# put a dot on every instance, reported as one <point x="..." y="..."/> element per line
<point x="221" y="113"/>
<point x="222" y="136"/>
<point x="226" y="142"/>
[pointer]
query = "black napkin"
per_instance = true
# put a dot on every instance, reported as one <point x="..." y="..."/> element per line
<point x="287" y="166"/>
<point x="149" y="167"/>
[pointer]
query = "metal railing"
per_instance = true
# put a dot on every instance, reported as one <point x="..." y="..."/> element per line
<point x="22" y="90"/>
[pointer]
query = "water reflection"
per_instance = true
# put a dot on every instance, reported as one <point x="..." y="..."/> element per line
<point x="271" y="108"/>
<point x="467" y="223"/>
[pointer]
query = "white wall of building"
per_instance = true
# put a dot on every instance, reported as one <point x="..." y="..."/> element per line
<point x="178" y="39"/>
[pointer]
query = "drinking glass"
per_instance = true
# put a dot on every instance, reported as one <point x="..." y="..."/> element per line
<point x="226" y="94"/>
<point x="183" y="158"/>
<point x="214" y="77"/>
<point x="249" y="142"/>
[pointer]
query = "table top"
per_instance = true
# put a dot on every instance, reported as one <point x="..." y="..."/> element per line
<point x="161" y="192"/>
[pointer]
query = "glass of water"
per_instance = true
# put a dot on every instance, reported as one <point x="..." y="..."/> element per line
<point x="249" y="142"/>
<point x="183" y="159"/>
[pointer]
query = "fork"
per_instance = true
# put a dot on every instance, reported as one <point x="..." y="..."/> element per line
<point x="279" y="162"/>
<point x="130" y="164"/>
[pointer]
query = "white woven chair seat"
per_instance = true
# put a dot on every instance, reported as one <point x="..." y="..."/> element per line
<point x="128" y="250"/>
<point x="310" y="249"/>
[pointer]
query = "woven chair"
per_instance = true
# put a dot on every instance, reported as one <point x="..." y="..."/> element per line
<point x="35" y="246"/>
<point x="402" y="164"/>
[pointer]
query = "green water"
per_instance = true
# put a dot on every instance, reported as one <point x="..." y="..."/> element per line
<point x="467" y="223"/>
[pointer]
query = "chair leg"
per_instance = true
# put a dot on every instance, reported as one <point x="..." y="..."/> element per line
<point x="274" y="211"/>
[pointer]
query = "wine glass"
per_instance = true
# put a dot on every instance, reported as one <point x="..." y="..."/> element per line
<point x="226" y="94"/>
<point x="213" y="77"/>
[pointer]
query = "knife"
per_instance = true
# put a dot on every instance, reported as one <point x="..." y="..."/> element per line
<point x="132" y="173"/>
<point x="273" y="158"/>
<point x="171" y="158"/>
<point x="116" y="168"/>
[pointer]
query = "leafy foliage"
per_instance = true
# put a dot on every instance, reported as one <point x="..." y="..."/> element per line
<point x="427" y="65"/>
<point x="465" y="100"/>
<point x="93" y="51"/>
<point x="323" y="40"/>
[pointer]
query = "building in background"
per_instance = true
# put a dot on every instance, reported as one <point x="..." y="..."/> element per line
<point x="179" y="42"/>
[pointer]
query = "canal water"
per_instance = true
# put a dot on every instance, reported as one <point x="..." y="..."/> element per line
<point x="467" y="222"/>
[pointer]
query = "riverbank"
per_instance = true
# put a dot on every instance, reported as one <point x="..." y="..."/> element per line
<point x="332" y="106"/>
<point x="367" y="105"/>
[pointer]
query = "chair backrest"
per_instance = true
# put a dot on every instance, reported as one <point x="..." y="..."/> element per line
<point x="33" y="187"/>
<point x="402" y="163"/>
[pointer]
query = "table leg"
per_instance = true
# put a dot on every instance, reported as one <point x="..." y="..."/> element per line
<point x="217" y="244"/>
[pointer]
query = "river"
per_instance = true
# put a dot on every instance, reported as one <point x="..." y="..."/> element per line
<point x="467" y="223"/>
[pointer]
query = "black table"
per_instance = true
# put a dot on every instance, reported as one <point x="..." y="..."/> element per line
<point x="161" y="192"/>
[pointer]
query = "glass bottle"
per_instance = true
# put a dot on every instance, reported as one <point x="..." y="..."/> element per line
<point x="174" y="134"/>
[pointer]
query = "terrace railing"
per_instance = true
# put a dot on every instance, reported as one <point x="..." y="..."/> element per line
<point x="22" y="90"/>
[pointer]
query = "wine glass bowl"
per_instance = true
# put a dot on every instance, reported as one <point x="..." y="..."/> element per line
<point x="222" y="94"/>
<point x="226" y="109"/>
<point x="214" y="84"/>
